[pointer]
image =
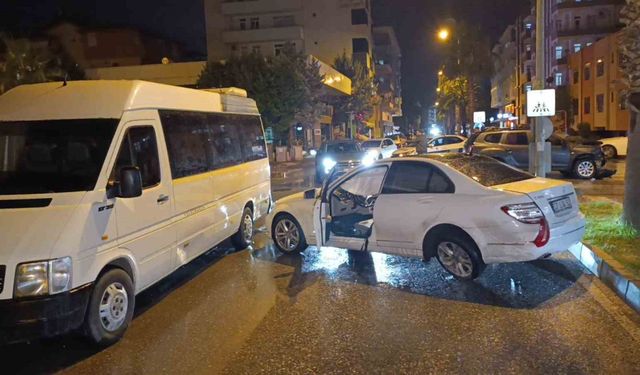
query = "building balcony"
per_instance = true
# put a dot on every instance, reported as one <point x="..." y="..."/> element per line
<point x="568" y="4"/>
<point x="263" y="35"/>
<point x="586" y="31"/>
<point x="232" y="8"/>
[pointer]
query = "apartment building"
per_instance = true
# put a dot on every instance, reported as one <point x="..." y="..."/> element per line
<point x="324" y="29"/>
<point x="112" y="47"/>
<point x="573" y="25"/>
<point x="596" y="87"/>
<point x="388" y="65"/>
<point x="505" y="82"/>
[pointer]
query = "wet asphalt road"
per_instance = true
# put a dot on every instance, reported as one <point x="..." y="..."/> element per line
<point x="334" y="311"/>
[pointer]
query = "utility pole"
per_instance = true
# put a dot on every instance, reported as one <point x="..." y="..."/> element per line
<point x="537" y="165"/>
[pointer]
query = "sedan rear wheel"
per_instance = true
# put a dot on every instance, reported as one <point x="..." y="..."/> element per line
<point x="459" y="256"/>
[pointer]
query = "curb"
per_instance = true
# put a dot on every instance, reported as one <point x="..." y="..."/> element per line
<point x="610" y="272"/>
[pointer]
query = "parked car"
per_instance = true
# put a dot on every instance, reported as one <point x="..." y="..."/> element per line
<point x="106" y="187"/>
<point x="466" y="211"/>
<point x="512" y="147"/>
<point x="446" y="143"/>
<point x="342" y="155"/>
<point x="399" y="139"/>
<point x="411" y="148"/>
<point x="614" y="147"/>
<point x="380" y="148"/>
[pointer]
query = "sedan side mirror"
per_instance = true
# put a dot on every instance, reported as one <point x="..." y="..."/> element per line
<point x="130" y="182"/>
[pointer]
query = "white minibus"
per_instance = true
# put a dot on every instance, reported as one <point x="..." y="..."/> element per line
<point x="106" y="187"/>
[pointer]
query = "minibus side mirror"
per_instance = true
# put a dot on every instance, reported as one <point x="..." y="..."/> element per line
<point x="311" y="194"/>
<point x="130" y="182"/>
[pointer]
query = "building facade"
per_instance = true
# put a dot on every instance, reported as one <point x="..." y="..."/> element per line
<point x="388" y="65"/>
<point x="324" y="29"/>
<point x="112" y="47"/>
<point x="573" y="25"/>
<point x="505" y="83"/>
<point x="596" y="87"/>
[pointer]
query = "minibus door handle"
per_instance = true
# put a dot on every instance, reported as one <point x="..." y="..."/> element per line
<point x="162" y="199"/>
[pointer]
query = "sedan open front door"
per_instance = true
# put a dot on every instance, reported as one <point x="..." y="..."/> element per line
<point x="343" y="217"/>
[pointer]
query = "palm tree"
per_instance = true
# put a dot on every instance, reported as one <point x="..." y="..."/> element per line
<point x="630" y="45"/>
<point x="455" y="95"/>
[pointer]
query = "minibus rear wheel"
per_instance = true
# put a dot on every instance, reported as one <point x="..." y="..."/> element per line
<point x="244" y="236"/>
<point x="110" y="308"/>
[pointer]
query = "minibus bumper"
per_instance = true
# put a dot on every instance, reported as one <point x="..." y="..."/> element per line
<point x="29" y="319"/>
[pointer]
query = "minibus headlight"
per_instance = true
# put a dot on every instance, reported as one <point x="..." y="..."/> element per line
<point x="43" y="278"/>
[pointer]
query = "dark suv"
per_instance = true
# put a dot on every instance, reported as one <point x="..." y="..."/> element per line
<point x="512" y="147"/>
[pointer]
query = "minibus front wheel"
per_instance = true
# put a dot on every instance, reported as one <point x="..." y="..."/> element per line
<point x="110" y="308"/>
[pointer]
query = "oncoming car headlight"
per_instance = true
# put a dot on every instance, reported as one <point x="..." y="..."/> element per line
<point x="43" y="278"/>
<point x="369" y="158"/>
<point x="328" y="164"/>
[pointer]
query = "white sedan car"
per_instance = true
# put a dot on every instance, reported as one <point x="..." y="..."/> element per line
<point x="379" y="148"/>
<point x="614" y="147"/>
<point x="446" y="143"/>
<point x="467" y="211"/>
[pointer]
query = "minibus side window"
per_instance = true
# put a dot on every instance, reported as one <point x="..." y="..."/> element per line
<point x="139" y="149"/>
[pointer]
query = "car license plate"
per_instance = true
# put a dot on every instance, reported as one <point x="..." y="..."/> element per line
<point x="561" y="205"/>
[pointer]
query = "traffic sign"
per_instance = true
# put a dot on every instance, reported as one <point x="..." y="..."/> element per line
<point x="479" y="117"/>
<point x="541" y="103"/>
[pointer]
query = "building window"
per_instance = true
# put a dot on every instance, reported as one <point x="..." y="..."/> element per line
<point x="278" y="48"/>
<point x="360" y="45"/>
<point x="558" y="25"/>
<point x="559" y="52"/>
<point x="613" y="58"/>
<point x="587" y="71"/>
<point x="242" y="23"/>
<point x="359" y="17"/>
<point x="255" y="49"/>
<point x="600" y="103"/>
<point x="576" y="77"/>
<point x="244" y="50"/>
<point x="576" y="22"/>
<point x="283" y="21"/>
<point x="92" y="40"/>
<point x="600" y="68"/>
<point x="612" y="97"/>
<point x="559" y="80"/>
<point x="587" y="105"/>
<point x="255" y="23"/>
<point x="577" y="47"/>
<point x="575" y="104"/>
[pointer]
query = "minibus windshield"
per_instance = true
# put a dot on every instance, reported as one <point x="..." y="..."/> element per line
<point x="53" y="156"/>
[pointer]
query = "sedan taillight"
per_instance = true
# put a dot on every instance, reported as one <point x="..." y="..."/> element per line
<point x="530" y="213"/>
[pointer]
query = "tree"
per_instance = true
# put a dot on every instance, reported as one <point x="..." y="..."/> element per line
<point x="468" y="55"/>
<point x="286" y="87"/>
<point x="363" y="91"/>
<point x="630" y="46"/>
<point x="24" y="63"/>
<point x="454" y="97"/>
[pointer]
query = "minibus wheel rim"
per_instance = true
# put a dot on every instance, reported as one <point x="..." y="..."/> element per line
<point x="247" y="228"/>
<point x="113" y="307"/>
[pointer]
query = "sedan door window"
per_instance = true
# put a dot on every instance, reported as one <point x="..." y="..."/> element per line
<point x="416" y="178"/>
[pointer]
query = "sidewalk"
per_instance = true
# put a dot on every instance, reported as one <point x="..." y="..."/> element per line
<point x="284" y="169"/>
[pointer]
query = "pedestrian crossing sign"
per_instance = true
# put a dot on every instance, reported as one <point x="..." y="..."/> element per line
<point x="541" y="103"/>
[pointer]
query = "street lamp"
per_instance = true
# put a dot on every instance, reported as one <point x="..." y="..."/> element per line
<point x="437" y="104"/>
<point x="443" y="34"/>
<point x="438" y="89"/>
<point x="440" y="72"/>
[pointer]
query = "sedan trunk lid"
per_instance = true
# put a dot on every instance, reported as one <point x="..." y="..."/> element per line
<point x="557" y="199"/>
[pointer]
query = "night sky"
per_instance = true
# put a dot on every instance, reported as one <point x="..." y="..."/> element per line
<point x="415" y="22"/>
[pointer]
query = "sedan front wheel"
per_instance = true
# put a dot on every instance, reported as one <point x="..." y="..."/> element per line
<point x="288" y="235"/>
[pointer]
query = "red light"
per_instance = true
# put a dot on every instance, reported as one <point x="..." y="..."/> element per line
<point x="543" y="234"/>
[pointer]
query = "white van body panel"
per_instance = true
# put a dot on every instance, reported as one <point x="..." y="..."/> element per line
<point x="154" y="238"/>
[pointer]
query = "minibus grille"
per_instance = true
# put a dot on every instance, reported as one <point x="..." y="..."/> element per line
<point x="2" y="269"/>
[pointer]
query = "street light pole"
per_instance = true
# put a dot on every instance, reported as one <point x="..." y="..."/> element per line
<point x="538" y="165"/>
